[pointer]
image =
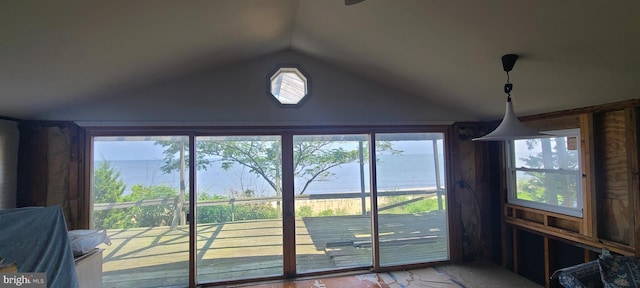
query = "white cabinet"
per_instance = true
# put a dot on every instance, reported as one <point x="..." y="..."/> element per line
<point x="89" y="269"/>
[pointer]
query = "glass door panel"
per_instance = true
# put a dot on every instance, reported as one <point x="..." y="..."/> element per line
<point x="139" y="197"/>
<point x="412" y="220"/>
<point x="238" y="214"/>
<point x="332" y="204"/>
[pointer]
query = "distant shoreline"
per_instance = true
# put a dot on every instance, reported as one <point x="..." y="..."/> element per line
<point x="397" y="172"/>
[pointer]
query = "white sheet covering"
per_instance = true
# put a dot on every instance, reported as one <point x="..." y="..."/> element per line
<point x="36" y="240"/>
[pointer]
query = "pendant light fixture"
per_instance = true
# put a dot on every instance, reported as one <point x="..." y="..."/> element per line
<point x="510" y="128"/>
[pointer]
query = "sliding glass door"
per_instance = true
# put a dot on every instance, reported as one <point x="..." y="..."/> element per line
<point x="139" y="198"/>
<point x="239" y="214"/>
<point x="332" y="202"/>
<point x="412" y="221"/>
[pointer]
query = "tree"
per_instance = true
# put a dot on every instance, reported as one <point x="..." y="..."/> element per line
<point x="550" y="188"/>
<point x="312" y="159"/>
<point x="107" y="185"/>
<point x="108" y="188"/>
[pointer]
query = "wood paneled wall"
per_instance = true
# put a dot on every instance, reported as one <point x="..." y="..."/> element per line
<point x="49" y="168"/>
<point x="612" y="172"/>
<point x="471" y="176"/>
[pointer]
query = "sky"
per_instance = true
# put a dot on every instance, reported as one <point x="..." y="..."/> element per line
<point x="126" y="150"/>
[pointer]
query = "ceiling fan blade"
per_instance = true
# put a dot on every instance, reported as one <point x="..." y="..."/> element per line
<point x="351" y="2"/>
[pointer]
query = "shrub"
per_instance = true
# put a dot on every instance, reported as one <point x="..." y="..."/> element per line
<point x="304" y="211"/>
<point x="328" y="212"/>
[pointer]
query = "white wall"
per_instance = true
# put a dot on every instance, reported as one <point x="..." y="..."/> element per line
<point x="238" y="95"/>
<point x="9" y="138"/>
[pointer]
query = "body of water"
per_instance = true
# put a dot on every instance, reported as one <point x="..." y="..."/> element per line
<point x="394" y="172"/>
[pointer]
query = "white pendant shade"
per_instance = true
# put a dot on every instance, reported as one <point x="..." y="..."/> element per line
<point x="510" y="129"/>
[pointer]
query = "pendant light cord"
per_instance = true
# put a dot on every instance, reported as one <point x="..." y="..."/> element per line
<point x="507" y="88"/>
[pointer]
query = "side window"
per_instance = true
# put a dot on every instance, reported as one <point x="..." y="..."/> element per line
<point x="545" y="173"/>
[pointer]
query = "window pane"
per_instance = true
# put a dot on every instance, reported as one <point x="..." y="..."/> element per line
<point x="411" y="195"/>
<point x="333" y="228"/>
<point x="548" y="187"/>
<point x="288" y="85"/>
<point x="545" y="173"/>
<point x="238" y="217"/>
<point x="547" y="153"/>
<point x="139" y="196"/>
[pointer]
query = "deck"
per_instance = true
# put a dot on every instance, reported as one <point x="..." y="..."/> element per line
<point x="158" y="257"/>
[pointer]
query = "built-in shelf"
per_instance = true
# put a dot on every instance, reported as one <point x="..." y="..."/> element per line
<point x="559" y="226"/>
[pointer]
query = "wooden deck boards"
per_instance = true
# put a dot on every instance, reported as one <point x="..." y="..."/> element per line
<point x="158" y="257"/>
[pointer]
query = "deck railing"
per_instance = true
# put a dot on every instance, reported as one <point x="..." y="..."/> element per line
<point x="426" y="193"/>
<point x="251" y="200"/>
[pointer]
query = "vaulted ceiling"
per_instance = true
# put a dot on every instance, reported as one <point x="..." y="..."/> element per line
<point x="573" y="53"/>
